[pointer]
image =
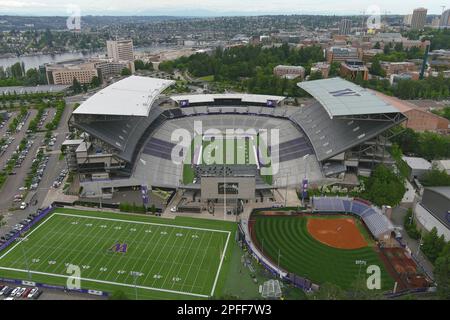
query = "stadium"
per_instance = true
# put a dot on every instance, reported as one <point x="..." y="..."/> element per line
<point x="127" y="140"/>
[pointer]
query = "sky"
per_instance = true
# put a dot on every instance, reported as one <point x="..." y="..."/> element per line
<point x="215" y="7"/>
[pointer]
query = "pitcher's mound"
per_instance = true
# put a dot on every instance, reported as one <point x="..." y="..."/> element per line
<point x="337" y="233"/>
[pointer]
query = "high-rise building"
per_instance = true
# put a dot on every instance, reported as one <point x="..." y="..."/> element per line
<point x="407" y="19"/>
<point x="345" y="27"/>
<point x="120" y="50"/>
<point x="445" y="19"/>
<point x="419" y="18"/>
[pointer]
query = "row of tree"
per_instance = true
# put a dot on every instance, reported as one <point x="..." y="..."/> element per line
<point x="250" y="67"/>
<point x="16" y="75"/>
<point x="428" y="145"/>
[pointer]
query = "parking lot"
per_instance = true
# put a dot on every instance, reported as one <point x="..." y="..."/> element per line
<point x="12" y="292"/>
<point x="17" y="201"/>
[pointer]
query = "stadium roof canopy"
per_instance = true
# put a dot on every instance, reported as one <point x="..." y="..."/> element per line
<point x="204" y="98"/>
<point x="342" y="98"/>
<point x="133" y="96"/>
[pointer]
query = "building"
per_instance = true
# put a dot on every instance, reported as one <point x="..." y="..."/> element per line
<point x="433" y="211"/>
<point x="289" y="72"/>
<point x="407" y="19"/>
<point x="417" y="167"/>
<point x="419" y="119"/>
<point x="444" y="22"/>
<point x="351" y="69"/>
<point x="419" y="18"/>
<point x="341" y="54"/>
<point x="107" y="68"/>
<point x="127" y="139"/>
<point x="322" y="67"/>
<point x="120" y="50"/>
<point x="63" y="73"/>
<point x="398" y="67"/>
<point x="442" y="165"/>
<point x="345" y="27"/>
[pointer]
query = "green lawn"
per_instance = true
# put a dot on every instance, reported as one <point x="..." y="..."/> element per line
<point x="183" y="258"/>
<point x="209" y="78"/>
<point x="304" y="256"/>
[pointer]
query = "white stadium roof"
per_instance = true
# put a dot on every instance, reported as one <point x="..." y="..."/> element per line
<point x="340" y="97"/>
<point x="132" y="96"/>
<point x="202" y="98"/>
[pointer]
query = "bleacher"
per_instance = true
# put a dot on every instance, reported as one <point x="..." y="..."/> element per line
<point x="377" y="223"/>
<point x="333" y="136"/>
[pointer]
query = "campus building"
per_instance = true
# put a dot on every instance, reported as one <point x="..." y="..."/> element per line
<point x="120" y="50"/>
<point x="289" y="72"/>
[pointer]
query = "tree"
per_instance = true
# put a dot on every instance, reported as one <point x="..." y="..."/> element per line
<point x="384" y="187"/>
<point x="377" y="45"/>
<point x="433" y="245"/>
<point x="376" y="69"/>
<point x="329" y="291"/>
<point x="360" y="291"/>
<point x="125" y="72"/>
<point x="118" y="295"/>
<point x="76" y="86"/>
<point x="315" y="75"/>
<point x="435" y="178"/>
<point x="95" y="82"/>
<point x="442" y="273"/>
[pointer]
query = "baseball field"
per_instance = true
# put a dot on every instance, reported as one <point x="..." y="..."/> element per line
<point x="335" y="249"/>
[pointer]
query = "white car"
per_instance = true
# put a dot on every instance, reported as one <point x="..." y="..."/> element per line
<point x="20" y="292"/>
<point x="23" y="188"/>
<point x="23" y="205"/>
<point x="14" y="292"/>
<point x="173" y="209"/>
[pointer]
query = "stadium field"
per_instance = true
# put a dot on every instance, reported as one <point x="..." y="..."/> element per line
<point x="230" y="151"/>
<point x="150" y="257"/>
<point x="300" y="253"/>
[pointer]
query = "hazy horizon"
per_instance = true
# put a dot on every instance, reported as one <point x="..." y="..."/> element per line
<point x="212" y="8"/>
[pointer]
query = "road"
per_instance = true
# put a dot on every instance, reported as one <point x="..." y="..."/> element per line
<point x="54" y="168"/>
<point x="398" y="216"/>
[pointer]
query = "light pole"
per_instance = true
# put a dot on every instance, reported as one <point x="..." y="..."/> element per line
<point x="19" y="239"/>
<point x="279" y="255"/>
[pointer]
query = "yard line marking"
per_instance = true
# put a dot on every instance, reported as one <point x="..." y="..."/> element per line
<point x="120" y="234"/>
<point x="29" y="234"/>
<point x="140" y="222"/>
<point x="120" y="259"/>
<point x="156" y="261"/>
<point x="109" y="282"/>
<point x="220" y="265"/>
<point x="192" y="263"/>
<point x="180" y="249"/>
<point x="203" y="257"/>
<point x="161" y="251"/>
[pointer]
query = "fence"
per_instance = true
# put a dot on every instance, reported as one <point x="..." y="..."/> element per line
<point x="18" y="234"/>
<point x="297" y="281"/>
<point x="54" y="287"/>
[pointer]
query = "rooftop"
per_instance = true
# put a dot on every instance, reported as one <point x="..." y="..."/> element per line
<point x="340" y="97"/>
<point x="132" y="96"/>
<point x="417" y="163"/>
<point x="445" y="191"/>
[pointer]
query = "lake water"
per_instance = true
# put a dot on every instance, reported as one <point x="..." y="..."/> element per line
<point x="37" y="60"/>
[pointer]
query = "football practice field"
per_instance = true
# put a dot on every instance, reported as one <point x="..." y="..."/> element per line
<point x="152" y="257"/>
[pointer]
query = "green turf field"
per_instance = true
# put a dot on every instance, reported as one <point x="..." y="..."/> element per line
<point x="180" y="258"/>
<point x="305" y="256"/>
<point x="227" y="151"/>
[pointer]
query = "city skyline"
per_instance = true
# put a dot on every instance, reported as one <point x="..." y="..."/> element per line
<point x="211" y="7"/>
